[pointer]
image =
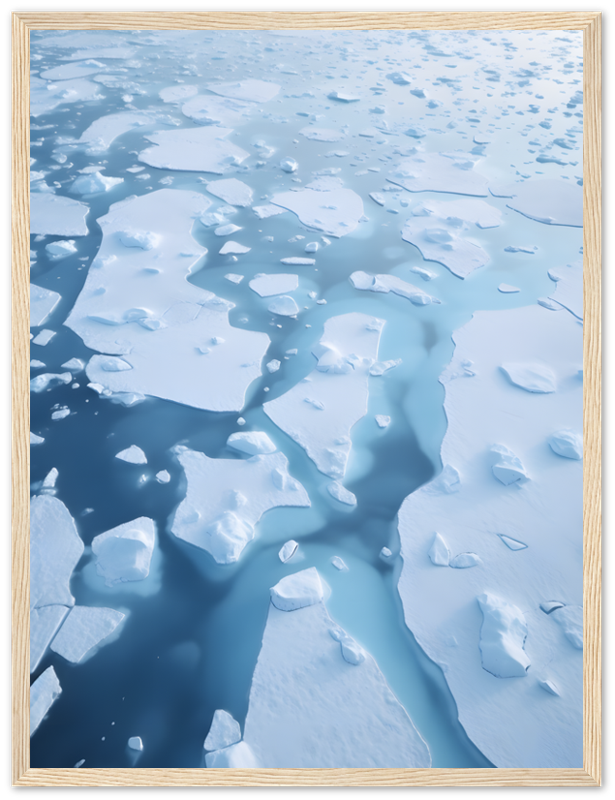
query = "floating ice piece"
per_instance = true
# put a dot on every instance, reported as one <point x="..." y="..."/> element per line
<point x="284" y="306"/>
<point x="298" y="590"/>
<point x="273" y="365"/>
<point x="83" y="629"/>
<point x="382" y="420"/>
<point x="439" y="172"/>
<point x="570" y="619"/>
<point x="335" y="212"/>
<point x="135" y="743"/>
<point x="502" y="637"/>
<point x="42" y="303"/>
<point x="548" y="686"/>
<point x="569" y="289"/>
<point x="322" y="134"/>
<point x="343" y="97"/>
<point x="232" y="191"/>
<point x="508" y="469"/>
<point x="227" y="230"/>
<point x="567" y="443"/>
<point x="385" y="554"/>
<point x="35" y="439"/>
<point x="74" y="365"/>
<point x="55" y="549"/>
<point x="163" y="476"/>
<point x="124" y="553"/>
<point x="49" y="481"/>
<point x="53" y="215"/>
<point x="340" y="493"/>
<point x="289" y="165"/>
<point x="231" y="247"/>
<point x="44" y="96"/>
<point x="439" y="553"/>
<point x="391" y="283"/>
<point x="442" y="241"/>
<point x="254" y="90"/>
<point x="251" y="442"/>
<point x="61" y="413"/>
<point x="43" y="337"/>
<point x="59" y="250"/>
<point x="536" y="378"/>
<point x="465" y="561"/>
<point x="224" y="731"/>
<point x="506" y="288"/>
<point x="47" y="380"/>
<point x="233" y="278"/>
<point x="512" y="544"/>
<point x="226" y="498"/>
<point x="296" y="261"/>
<point x="269" y="210"/>
<point x="269" y="285"/>
<point x="44" y="624"/>
<point x="99" y="136"/>
<point x="552" y="202"/>
<point x="342" y="395"/>
<point x="339" y="564"/>
<point x="175" y="94"/>
<point x="324" y="682"/>
<point x="133" y="455"/>
<point x="468" y="209"/>
<point x="193" y="150"/>
<point x="75" y="70"/>
<point x="43" y="693"/>
<point x="237" y="756"/>
<point x="288" y="550"/>
<point x="400" y="78"/>
<point x="377" y="197"/>
<point x="528" y="250"/>
<point x="93" y="183"/>
<point x="551" y="605"/>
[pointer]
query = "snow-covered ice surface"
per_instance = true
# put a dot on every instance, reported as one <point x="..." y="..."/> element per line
<point x="247" y="253"/>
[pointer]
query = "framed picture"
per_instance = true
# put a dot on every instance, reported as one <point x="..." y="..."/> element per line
<point x="314" y="416"/>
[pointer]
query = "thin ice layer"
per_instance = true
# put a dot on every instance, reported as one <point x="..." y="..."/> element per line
<point x="310" y="707"/>
<point x="511" y="722"/>
<point x="320" y="411"/>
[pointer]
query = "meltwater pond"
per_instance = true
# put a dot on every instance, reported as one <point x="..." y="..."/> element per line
<point x="340" y="138"/>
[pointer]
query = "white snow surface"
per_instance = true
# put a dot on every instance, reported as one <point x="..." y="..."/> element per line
<point x="443" y="240"/>
<point x="284" y="306"/>
<point x="511" y="720"/>
<point x="62" y="249"/>
<point x="319" y="412"/>
<point x="335" y="212"/>
<point x="212" y="110"/>
<point x="535" y="377"/>
<point x="45" y="96"/>
<point x="42" y="303"/>
<point x="226" y="498"/>
<point x="53" y="215"/>
<point x="83" y="629"/>
<point x="124" y="553"/>
<point x="251" y="442"/>
<point x="288" y="550"/>
<point x="43" y="693"/>
<point x="310" y="707"/>
<point x="440" y="172"/>
<point x="232" y="191"/>
<point x="552" y="202"/>
<point x="138" y="304"/>
<point x="269" y="285"/>
<point x="193" y="150"/>
<point x="99" y="136"/>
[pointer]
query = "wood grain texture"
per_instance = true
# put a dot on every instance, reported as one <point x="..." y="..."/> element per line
<point x="590" y="775"/>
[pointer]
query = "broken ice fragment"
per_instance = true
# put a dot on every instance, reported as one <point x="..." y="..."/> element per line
<point x="386" y="554"/>
<point x="529" y="249"/>
<point x="289" y="165"/>
<point x="365" y="281"/>
<point x="335" y="211"/>
<point x="226" y="230"/>
<point x="59" y="250"/>
<point x="44" y="624"/>
<point x="297" y="590"/>
<point x="284" y="306"/>
<point x="84" y="629"/>
<point x="124" y="553"/>
<point x="552" y="202"/>
<point x="231" y="247"/>
<point x="502" y="637"/>
<point x="551" y="605"/>
<point x="508" y="468"/>
<point x="321" y="134"/>
<point x="251" y="442"/>
<point x="298" y="262"/>
<point x="163" y="476"/>
<point x="269" y="285"/>
<point x="512" y="544"/>
<point x="133" y="455"/>
<point x="135" y="743"/>
<point x="273" y="365"/>
<point x="56" y="215"/>
<point x="93" y="183"/>
<point x="35" y="439"/>
<point x="506" y="288"/>
<point x="382" y="420"/>
<point x="439" y="553"/>
<point x="568" y="444"/>
<point x="232" y="191"/>
<point x="256" y="91"/>
<point x="548" y="686"/>
<point x="440" y="172"/>
<point x="43" y="693"/>
<point x="43" y="338"/>
<point x="339" y="564"/>
<point x="531" y="377"/>
<point x="343" y="97"/>
<point x="237" y="756"/>
<point x="200" y="149"/>
<point x="224" y="731"/>
<point x="48" y="380"/>
<point x="42" y="303"/>
<point x="340" y="493"/>
<point x="74" y="364"/>
<point x="465" y="561"/>
<point x="288" y="550"/>
<point x="234" y="278"/>
<point x="144" y="240"/>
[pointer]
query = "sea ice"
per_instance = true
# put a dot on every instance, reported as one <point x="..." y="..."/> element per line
<point x="226" y="498"/>
<point x="298" y="590"/>
<point x="163" y="476"/>
<point x="76" y="70"/>
<point x="284" y="306"/>
<point x="536" y="378"/>
<point x="254" y="90"/>
<point x="508" y="467"/>
<point x="339" y="384"/>
<point x="268" y="285"/>
<point x="47" y="380"/>
<point x="45" y="96"/>
<point x="93" y="183"/>
<point x="233" y="248"/>
<point x="442" y="240"/>
<point x="177" y="93"/>
<point x="43" y="693"/>
<point x="465" y="561"/>
<point x="42" y="304"/>
<point x="553" y="202"/>
<point x="237" y="756"/>
<point x="439" y="553"/>
<point x="124" y="553"/>
<point x="568" y="444"/>
<point x="59" y="250"/>
<point x="44" y="624"/>
<point x="83" y="629"/>
<point x="502" y="637"/>
<point x="568" y="291"/>
<point x="506" y="288"/>
<point x="101" y="134"/>
<point x="570" y="619"/>
<point x="135" y="743"/>
<point x="43" y="337"/>
<point x="251" y="442"/>
<point x="288" y="550"/>
<point x="133" y="455"/>
<point x="212" y="110"/>
<point x="296" y="261"/>
<point x="232" y="191"/>
<point x="391" y="283"/>
<point x="34" y="439"/>
<point x="269" y="210"/>
<point x="193" y="150"/>
<point x="334" y="211"/>
<point x="322" y="134"/>
<point x="339" y="564"/>
<point x="53" y="215"/>
<point x="340" y="493"/>
<point x="440" y="172"/>
<point x="224" y="731"/>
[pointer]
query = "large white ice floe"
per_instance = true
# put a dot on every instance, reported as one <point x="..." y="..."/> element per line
<point x="568" y="290"/>
<point x="526" y="533"/>
<point x="468" y="209"/>
<point x="226" y="498"/>
<point x="42" y="303"/>
<point x="335" y="211"/>
<point x="79" y="69"/>
<point x="137" y="303"/>
<point x="43" y="693"/>
<point x="202" y="149"/>
<point x="440" y="172"/>
<point x="99" y="136"/>
<point x="84" y="629"/>
<point x="317" y="698"/>
<point x="320" y="411"/>
<point x="367" y="282"/>
<point x="269" y="285"/>
<point x="254" y="90"/>
<point x="553" y="202"/>
<point x="51" y="214"/>
<point x="177" y="93"/>
<point x="232" y="191"/>
<point x="124" y="553"/>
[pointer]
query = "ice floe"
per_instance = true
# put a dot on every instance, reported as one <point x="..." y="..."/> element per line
<point x="288" y="550"/>
<point x="440" y="172"/>
<point x="51" y="214"/>
<point x="84" y="629"/>
<point x="42" y="303"/>
<point x="568" y="291"/>
<point x="317" y="698"/>
<point x="232" y="191"/>
<point x="506" y="288"/>
<point x="439" y="553"/>
<point x="335" y="211"/>
<point x="212" y="110"/>
<point x="35" y="439"/>
<point x="336" y="390"/>
<point x="44" y="624"/>
<point x="237" y="756"/>
<point x="43" y="337"/>
<point x="391" y="283"/>
<point x="322" y="134"/>
<point x="193" y="149"/>
<point x="58" y="250"/>
<point x="233" y="248"/>
<point x="225" y="499"/>
<point x="132" y="455"/>
<point x="251" y="442"/>
<point x="45" y="96"/>
<point x="567" y="443"/>
<point x="340" y="493"/>
<point x="124" y="553"/>
<point x="507" y="719"/>
<point x="135" y="743"/>
<point x="224" y="731"/>
<point x="93" y="183"/>
<point x="268" y="285"/>
<point x="284" y="306"/>
<point x="101" y="134"/>
<point x="43" y="693"/>
<point x="553" y="202"/>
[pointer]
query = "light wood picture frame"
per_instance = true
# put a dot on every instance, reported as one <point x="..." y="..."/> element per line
<point x="587" y="22"/>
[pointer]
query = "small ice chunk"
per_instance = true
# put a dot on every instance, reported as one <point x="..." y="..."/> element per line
<point x="339" y="564"/>
<point x="135" y="743"/>
<point x="74" y="365"/>
<point x="382" y="420"/>
<point x="322" y="134"/>
<point x="43" y="693"/>
<point x="506" y="288"/>
<point x="251" y="442"/>
<point x="269" y="285"/>
<point x="233" y="278"/>
<point x="237" y="756"/>
<point x="268" y="210"/>
<point x="233" y="248"/>
<point x="133" y="455"/>
<point x="377" y="197"/>
<point x="386" y="554"/>
<point x="93" y="183"/>
<point x="232" y="191"/>
<point x="113" y="364"/>
<point x="226" y="230"/>
<point x="502" y="637"/>
<point x="124" y="553"/>
<point x="439" y="553"/>
<point x="273" y="365"/>
<point x="61" y="413"/>
<point x="59" y="250"/>
<point x="47" y="380"/>
<point x="34" y="439"/>
<point x="548" y="686"/>
<point x="465" y="561"/>
<point x="49" y="481"/>
<point x="289" y="165"/>
<point x="288" y="550"/>
<point x="531" y="377"/>
<point x="254" y="91"/>
<point x="84" y="629"/>
<point x="298" y="590"/>
<point x="508" y="469"/>
<point x="42" y="303"/>
<point x="340" y="493"/>
<point x="44" y="337"/>
<point x="381" y="367"/>
<point x="298" y="262"/>
<point x="568" y="444"/>
<point x="197" y="149"/>
<point x="284" y="306"/>
<point x="224" y="731"/>
<point x="512" y="544"/>
<point x="400" y="78"/>
<point x="35" y="363"/>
